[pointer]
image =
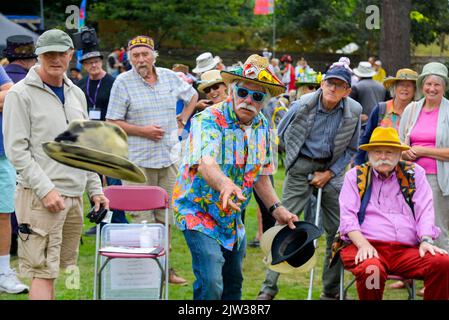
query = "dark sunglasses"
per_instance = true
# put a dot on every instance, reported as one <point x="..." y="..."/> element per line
<point x="255" y="95"/>
<point x="214" y="87"/>
<point x="310" y="87"/>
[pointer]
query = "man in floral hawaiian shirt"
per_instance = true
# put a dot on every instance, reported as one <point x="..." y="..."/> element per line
<point x="227" y="155"/>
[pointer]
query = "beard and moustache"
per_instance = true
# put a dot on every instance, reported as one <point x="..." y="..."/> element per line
<point x="143" y="70"/>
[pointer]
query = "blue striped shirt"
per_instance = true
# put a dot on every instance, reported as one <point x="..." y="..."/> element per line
<point x="137" y="102"/>
<point x="320" y="142"/>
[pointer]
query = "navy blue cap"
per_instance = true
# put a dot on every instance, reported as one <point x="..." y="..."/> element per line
<point x="339" y="73"/>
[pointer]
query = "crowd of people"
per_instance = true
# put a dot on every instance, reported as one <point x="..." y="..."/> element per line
<point x="376" y="147"/>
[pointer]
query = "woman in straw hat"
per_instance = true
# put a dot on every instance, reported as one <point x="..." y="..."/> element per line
<point x="213" y="86"/>
<point x="388" y="114"/>
<point x="425" y="127"/>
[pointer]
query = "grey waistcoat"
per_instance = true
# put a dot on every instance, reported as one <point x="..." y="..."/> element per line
<point x="301" y="123"/>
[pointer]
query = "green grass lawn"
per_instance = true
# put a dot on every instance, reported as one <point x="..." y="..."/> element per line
<point x="292" y="287"/>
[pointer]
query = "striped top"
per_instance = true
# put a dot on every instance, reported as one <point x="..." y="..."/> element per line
<point x="139" y="103"/>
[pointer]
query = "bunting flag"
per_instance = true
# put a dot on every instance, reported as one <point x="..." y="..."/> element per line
<point x="81" y="23"/>
<point x="263" y="7"/>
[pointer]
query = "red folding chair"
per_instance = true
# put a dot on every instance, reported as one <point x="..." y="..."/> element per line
<point x="410" y="284"/>
<point x="134" y="198"/>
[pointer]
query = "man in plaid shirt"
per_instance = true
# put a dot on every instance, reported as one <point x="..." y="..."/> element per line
<point x="143" y="102"/>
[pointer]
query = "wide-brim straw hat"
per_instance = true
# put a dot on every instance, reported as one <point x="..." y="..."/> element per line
<point x="96" y="146"/>
<point x="209" y="78"/>
<point x="290" y="250"/>
<point x="256" y="69"/>
<point x="401" y="75"/>
<point x="384" y="137"/>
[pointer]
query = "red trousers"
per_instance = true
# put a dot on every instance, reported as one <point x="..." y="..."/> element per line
<point x="400" y="260"/>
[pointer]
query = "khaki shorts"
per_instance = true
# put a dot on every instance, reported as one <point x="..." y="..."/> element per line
<point x="55" y="237"/>
<point x="164" y="178"/>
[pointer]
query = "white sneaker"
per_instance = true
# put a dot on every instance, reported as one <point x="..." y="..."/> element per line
<point x="10" y="284"/>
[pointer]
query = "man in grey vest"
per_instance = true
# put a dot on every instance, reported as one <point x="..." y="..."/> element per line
<point x="320" y="134"/>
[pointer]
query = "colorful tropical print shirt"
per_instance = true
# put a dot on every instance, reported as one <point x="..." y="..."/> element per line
<point x="242" y="154"/>
<point x="390" y="119"/>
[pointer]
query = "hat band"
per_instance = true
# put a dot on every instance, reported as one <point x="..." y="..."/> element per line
<point x="385" y="141"/>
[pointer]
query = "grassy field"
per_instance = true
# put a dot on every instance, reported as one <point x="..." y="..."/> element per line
<point x="292" y="287"/>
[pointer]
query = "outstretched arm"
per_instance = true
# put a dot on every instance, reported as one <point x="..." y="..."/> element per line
<point x="266" y="192"/>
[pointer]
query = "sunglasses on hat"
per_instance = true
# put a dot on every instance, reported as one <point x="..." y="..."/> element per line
<point x="257" y="96"/>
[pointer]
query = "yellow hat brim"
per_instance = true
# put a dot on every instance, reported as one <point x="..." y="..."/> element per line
<point x="369" y="146"/>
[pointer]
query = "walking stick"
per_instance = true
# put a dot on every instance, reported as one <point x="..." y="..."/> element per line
<point x="317" y="220"/>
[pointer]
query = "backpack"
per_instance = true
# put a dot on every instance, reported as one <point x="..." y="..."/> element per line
<point x="405" y="173"/>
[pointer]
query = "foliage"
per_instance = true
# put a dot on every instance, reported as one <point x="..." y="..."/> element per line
<point x="184" y="21"/>
<point x="429" y="20"/>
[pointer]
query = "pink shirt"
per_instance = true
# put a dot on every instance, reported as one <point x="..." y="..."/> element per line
<point x="424" y="133"/>
<point x="388" y="217"/>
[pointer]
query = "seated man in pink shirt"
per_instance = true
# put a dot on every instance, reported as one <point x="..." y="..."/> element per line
<point x="387" y="214"/>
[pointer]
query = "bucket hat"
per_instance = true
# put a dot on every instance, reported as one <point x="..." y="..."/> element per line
<point x="256" y="69"/>
<point x="364" y="70"/>
<point x="290" y="250"/>
<point x="97" y="146"/>
<point x="384" y="137"/>
<point x="433" y="68"/>
<point x="401" y="75"/>
<point x="205" y="62"/>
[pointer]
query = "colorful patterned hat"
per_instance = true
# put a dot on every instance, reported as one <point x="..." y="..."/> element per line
<point x="141" y="41"/>
<point x="256" y="70"/>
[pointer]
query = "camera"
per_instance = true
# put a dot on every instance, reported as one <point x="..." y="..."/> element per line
<point x="97" y="216"/>
<point x="86" y="39"/>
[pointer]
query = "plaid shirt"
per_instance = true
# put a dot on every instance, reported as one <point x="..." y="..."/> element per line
<point x="135" y="101"/>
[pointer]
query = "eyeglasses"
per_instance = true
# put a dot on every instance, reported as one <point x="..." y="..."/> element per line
<point x="257" y="96"/>
<point x="213" y="87"/>
<point x="338" y="86"/>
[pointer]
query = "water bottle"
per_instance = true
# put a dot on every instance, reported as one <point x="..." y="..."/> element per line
<point x="146" y="240"/>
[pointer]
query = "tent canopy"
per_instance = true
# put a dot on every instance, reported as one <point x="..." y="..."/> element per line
<point x="10" y="28"/>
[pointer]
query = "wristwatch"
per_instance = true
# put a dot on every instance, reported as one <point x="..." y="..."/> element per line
<point x="274" y="207"/>
<point x="427" y="239"/>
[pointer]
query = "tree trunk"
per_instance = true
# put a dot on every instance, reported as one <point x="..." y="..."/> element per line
<point x="395" y="35"/>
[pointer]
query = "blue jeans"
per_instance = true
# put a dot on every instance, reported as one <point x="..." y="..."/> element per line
<point x="218" y="271"/>
<point x="118" y="216"/>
